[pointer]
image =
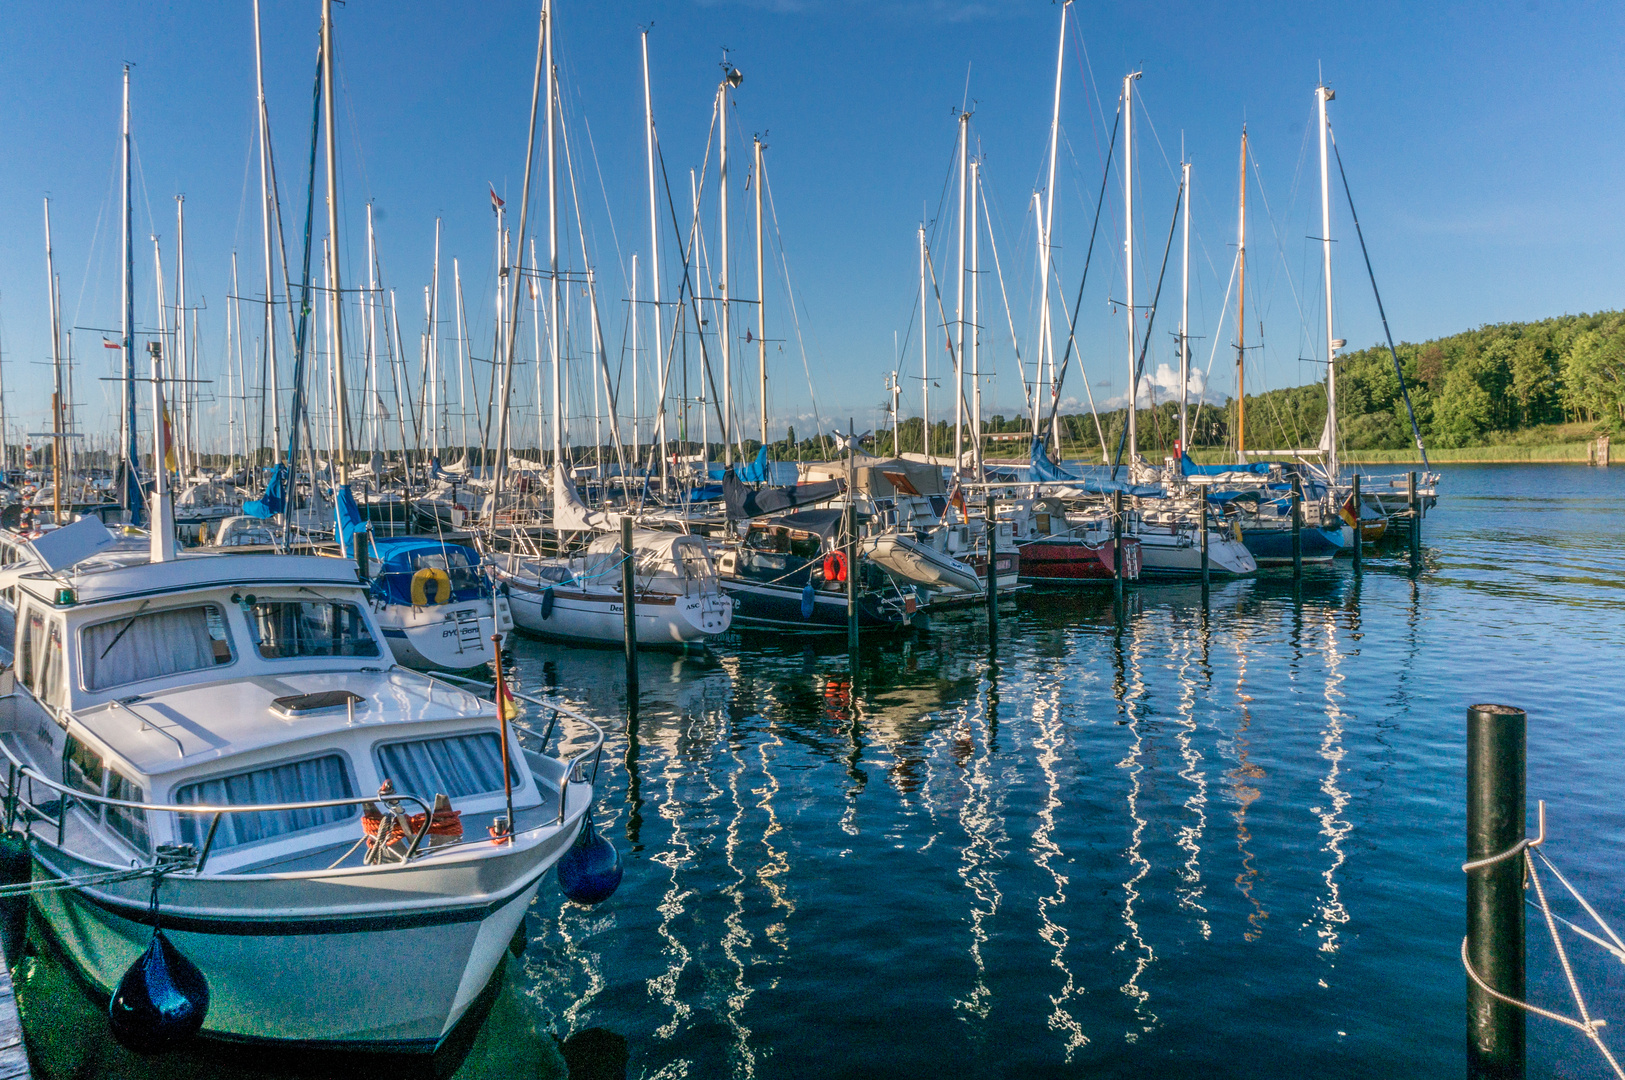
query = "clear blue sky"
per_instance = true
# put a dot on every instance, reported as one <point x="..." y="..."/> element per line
<point x="1484" y="144"/>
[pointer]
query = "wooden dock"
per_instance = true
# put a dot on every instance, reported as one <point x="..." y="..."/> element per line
<point x="13" y="1054"/>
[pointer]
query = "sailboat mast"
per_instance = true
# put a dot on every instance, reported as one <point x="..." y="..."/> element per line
<point x="268" y="344"/>
<point x="462" y="354"/>
<point x="1241" y="310"/>
<point x="336" y="311"/>
<point x="56" y="371"/>
<point x="637" y="450"/>
<point x="182" y="371"/>
<point x="1128" y="262"/>
<point x="1048" y="343"/>
<point x="132" y="460"/>
<point x="1185" y="316"/>
<point x="959" y="309"/>
<point x="554" y="344"/>
<point x="654" y="260"/>
<point x="437" y="405"/>
<point x="372" y="331"/>
<point x="1323" y="94"/>
<point x="761" y="293"/>
<point x="976" y="318"/>
<point x="925" y="362"/>
<point x="722" y="278"/>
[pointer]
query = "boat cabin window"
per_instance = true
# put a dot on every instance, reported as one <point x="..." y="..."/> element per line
<point x="152" y="644"/>
<point x="453" y="766"/>
<point x="311" y="780"/>
<point x="777" y="538"/>
<point x="289" y="629"/>
<point x="39" y="654"/>
<point x="82" y="768"/>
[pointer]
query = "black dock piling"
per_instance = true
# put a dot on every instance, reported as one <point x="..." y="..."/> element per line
<point x="852" y="579"/>
<point x="629" y="605"/>
<point x="1415" y="504"/>
<point x="992" y="576"/>
<point x="1202" y="534"/>
<point x="1496" y="736"/>
<point x="1117" y="545"/>
<point x="1297" y="528"/>
<point x="1359" y="526"/>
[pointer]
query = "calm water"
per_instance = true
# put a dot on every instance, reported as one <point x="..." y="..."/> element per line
<point x="1172" y="846"/>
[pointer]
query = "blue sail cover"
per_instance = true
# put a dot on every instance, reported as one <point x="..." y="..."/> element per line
<point x="276" y="496"/>
<point x="349" y="518"/>
<point x="1046" y="471"/>
<point x="1190" y="468"/>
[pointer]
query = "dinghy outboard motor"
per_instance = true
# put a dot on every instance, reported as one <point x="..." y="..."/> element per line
<point x="590" y="871"/>
<point x="162" y="1000"/>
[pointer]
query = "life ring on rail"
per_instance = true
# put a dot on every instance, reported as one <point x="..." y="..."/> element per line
<point x="420" y="586"/>
<point x="835" y="566"/>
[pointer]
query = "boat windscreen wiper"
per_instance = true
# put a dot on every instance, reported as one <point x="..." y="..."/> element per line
<point x="127" y="624"/>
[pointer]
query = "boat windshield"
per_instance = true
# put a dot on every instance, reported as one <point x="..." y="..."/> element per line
<point x="290" y="629"/>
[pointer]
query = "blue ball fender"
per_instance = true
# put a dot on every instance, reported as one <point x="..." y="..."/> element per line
<point x="161" y="1002"/>
<point x="590" y="870"/>
<point x="547" y="602"/>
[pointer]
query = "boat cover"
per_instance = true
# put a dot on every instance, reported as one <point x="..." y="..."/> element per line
<point x="401" y="557"/>
<point x="747" y="502"/>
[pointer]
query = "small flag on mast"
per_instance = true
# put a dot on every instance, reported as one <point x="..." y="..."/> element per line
<point x="109" y="343"/>
<point x="496" y="203"/>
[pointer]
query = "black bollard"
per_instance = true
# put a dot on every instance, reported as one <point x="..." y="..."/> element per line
<point x="1297" y="528"/>
<point x="852" y="579"/>
<point x="992" y="576"/>
<point x="1359" y="526"/>
<point x="1416" y="520"/>
<point x="1117" y="544"/>
<point x="1203" y="541"/>
<point x="1496" y="737"/>
<point x="629" y="605"/>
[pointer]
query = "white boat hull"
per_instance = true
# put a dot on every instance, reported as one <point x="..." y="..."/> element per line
<point x="1164" y="554"/>
<point x="600" y="618"/>
<point x="914" y="561"/>
<point x="441" y="637"/>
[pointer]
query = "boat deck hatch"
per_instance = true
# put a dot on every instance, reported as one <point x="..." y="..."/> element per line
<point x="304" y="704"/>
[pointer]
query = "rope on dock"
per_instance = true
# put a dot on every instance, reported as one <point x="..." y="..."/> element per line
<point x="1587" y="1024"/>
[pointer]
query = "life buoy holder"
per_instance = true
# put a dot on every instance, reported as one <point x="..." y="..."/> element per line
<point x="420" y="586"/>
<point x="835" y="566"/>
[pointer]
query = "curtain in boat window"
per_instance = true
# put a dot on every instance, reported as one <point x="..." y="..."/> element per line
<point x="297" y="781"/>
<point x="153" y="644"/>
<point x="453" y="766"/>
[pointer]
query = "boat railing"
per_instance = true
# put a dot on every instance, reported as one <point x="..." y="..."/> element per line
<point x="17" y="771"/>
<point x="574" y="768"/>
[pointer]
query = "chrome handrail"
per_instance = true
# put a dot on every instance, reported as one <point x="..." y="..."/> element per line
<point x="76" y="795"/>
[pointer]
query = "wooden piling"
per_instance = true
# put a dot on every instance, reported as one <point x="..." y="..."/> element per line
<point x="1496" y="756"/>
<point x="1202" y="533"/>
<point x="1117" y="544"/>
<point x="1297" y="528"/>
<point x="852" y="576"/>
<point x="1359" y="526"/>
<point x="629" y="606"/>
<point x="992" y="575"/>
<point x="1415" y="504"/>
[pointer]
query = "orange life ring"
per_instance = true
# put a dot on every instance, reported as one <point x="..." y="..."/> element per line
<point x="835" y="566"/>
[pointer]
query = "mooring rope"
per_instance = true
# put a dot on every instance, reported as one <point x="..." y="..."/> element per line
<point x="1587" y="1024"/>
<point x="45" y="885"/>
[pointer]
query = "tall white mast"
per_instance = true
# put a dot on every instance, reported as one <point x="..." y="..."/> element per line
<point x="1128" y="258"/>
<point x="976" y="317"/>
<point x="1185" y="316"/>
<point x="437" y="420"/>
<point x="268" y="344"/>
<point x="553" y="242"/>
<point x="925" y="361"/>
<point x="132" y="456"/>
<point x="959" y="309"/>
<point x="654" y="259"/>
<point x="464" y="397"/>
<point x="636" y="449"/>
<point x="335" y="309"/>
<point x="761" y="293"/>
<point x="56" y="372"/>
<point x="732" y="78"/>
<point x="372" y="330"/>
<point x="183" y="373"/>
<point x="1048" y="344"/>
<point x="1323" y="94"/>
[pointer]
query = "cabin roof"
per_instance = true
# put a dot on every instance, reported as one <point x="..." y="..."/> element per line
<point x="120" y="575"/>
<point x="173" y="730"/>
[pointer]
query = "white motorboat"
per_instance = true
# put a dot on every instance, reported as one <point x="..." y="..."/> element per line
<point x="225" y="718"/>
<point x="578" y="598"/>
<point x="435" y="603"/>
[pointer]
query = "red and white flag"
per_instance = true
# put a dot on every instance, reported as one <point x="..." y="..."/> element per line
<point x="109" y="343"/>
<point x="496" y="203"/>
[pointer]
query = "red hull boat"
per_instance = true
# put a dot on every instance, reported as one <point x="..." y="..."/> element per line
<point x="1061" y="561"/>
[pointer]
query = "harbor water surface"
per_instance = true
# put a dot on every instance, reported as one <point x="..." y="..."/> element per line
<point x="1124" y="843"/>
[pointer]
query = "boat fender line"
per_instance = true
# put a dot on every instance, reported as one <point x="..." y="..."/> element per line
<point x="420" y="586"/>
<point x="835" y="566"/>
<point x="547" y="603"/>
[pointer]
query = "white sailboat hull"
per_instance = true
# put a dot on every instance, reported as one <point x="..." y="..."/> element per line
<point x="600" y="618"/>
<point x="441" y="637"/>
<point x="1179" y="554"/>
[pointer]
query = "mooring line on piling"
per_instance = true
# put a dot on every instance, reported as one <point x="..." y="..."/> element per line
<point x="1587" y="1024"/>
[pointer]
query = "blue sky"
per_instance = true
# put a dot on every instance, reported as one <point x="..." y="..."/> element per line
<point x="1483" y="142"/>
